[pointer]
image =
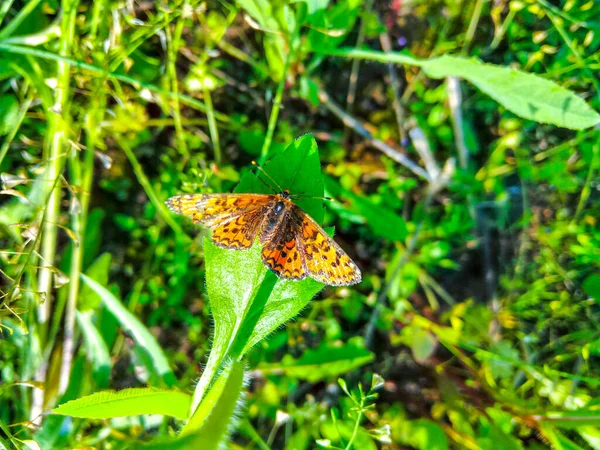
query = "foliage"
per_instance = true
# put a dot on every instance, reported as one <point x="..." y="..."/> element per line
<point x="459" y="143"/>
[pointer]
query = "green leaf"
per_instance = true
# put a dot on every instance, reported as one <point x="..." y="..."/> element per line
<point x="9" y="112"/>
<point x="423" y="344"/>
<point x="422" y="434"/>
<point x="323" y="362"/>
<point x="591" y="286"/>
<point x="98" y="271"/>
<point x="380" y="219"/>
<point x="214" y="414"/>
<point x="298" y="169"/>
<point x="136" y="329"/>
<point x="329" y="27"/>
<point x="97" y="352"/>
<point x="247" y="300"/>
<point x="128" y="402"/>
<point x="571" y="419"/>
<point x="527" y="95"/>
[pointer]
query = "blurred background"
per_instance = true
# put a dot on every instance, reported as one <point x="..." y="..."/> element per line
<point x="476" y="230"/>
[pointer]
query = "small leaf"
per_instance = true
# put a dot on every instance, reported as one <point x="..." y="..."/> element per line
<point x="128" y="402"/>
<point x="96" y="352"/>
<point x="377" y="381"/>
<point x="423" y="344"/>
<point x="9" y="111"/>
<point x="322" y="363"/>
<point x="591" y="286"/>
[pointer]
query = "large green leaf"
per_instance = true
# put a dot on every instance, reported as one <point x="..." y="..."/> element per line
<point x="248" y="301"/>
<point x="136" y="329"/>
<point x="527" y="95"/>
<point x="323" y="362"/>
<point x="128" y="402"/>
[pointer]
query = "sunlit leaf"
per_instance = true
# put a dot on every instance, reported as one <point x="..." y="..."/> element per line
<point x="128" y="402"/>
<point x="321" y="363"/>
<point x="525" y="94"/>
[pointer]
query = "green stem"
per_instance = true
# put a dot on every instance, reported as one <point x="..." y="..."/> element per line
<point x="10" y="443"/>
<point x="587" y="189"/>
<point x="18" y="19"/>
<point x="21" y="115"/>
<point x="502" y="31"/>
<point x="473" y="26"/>
<point x="81" y="176"/>
<point x="356" y="425"/>
<point x="572" y="47"/>
<point x="276" y="106"/>
<point x="173" y="49"/>
<point x="58" y="129"/>
<point x="163" y="211"/>
<point x="212" y="124"/>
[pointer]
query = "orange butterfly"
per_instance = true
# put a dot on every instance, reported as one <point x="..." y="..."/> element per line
<point x="294" y="245"/>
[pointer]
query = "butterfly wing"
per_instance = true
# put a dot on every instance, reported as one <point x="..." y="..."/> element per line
<point x="280" y="251"/>
<point x="323" y="258"/>
<point x="234" y="218"/>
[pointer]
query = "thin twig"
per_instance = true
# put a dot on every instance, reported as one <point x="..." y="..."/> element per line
<point x="358" y="127"/>
<point x="351" y="95"/>
<point x="386" y="45"/>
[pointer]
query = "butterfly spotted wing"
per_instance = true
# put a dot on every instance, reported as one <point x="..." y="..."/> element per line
<point x="324" y="259"/>
<point x="234" y="218"/>
<point x="296" y="246"/>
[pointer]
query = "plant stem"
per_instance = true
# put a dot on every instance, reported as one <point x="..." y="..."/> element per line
<point x="81" y="175"/>
<point x="173" y="49"/>
<point x="473" y="26"/>
<point x="58" y="129"/>
<point x="351" y="95"/>
<point x="353" y="123"/>
<point x="29" y="7"/>
<point x="163" y="212"/>
<point x="212" y="124"/>
<point x="587" y="188"/>
<point x="356" y="425"/>
<point x="276" y="105"/>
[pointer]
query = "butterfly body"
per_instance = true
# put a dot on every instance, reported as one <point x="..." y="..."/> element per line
<point x="294" y="245"/>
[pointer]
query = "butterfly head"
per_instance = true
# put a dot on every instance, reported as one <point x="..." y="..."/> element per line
<point x="286" y="194"/>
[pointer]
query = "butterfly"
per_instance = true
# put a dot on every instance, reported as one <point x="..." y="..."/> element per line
<point x="294" y="245"/>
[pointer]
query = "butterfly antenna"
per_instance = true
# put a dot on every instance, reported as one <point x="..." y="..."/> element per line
<point x="329" y="199"/>
<point x="268" y="176"/>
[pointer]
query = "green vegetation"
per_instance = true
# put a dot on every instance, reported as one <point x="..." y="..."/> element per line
<point x="460" y="142"/>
